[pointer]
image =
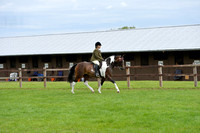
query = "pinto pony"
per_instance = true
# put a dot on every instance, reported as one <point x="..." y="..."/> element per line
<point x="86" y="70"/>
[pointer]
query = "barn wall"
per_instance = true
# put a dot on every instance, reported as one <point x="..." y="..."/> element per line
<point x="136" y="59"/>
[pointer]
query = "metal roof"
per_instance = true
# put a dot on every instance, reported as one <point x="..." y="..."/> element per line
<point x="177" y="38"/>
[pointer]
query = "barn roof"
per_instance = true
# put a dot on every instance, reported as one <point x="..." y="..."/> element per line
<point x="175" y="38"/>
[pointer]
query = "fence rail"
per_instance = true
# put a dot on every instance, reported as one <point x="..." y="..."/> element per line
<point x="160" y="73"/>
<point x="128" y="74"/>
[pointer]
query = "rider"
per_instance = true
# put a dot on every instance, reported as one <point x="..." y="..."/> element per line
<point x="96" y="57"/>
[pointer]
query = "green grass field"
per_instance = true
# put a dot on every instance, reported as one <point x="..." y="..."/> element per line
<point x="144" y="108"/>
<point x="107" y="85"/>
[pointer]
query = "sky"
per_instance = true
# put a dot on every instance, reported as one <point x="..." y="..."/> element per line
<point x="38" y="17"/>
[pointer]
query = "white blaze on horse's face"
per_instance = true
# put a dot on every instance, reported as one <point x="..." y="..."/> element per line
<point x="112" y="59"/>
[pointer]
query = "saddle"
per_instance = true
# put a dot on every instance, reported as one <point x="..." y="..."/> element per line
<point x="100" y="64"/>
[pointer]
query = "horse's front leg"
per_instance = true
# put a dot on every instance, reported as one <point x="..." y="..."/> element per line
<point x="109" y="78"/>
<point x="100" y="83"/>
<point x="118" y="91"/>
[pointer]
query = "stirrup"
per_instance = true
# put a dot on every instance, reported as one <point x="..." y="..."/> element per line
<point x="97" y="75"/>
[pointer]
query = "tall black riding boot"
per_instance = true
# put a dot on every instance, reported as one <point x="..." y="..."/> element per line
<point x="96" y="67"/>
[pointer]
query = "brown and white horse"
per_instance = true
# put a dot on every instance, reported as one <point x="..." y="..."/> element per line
<point x="86" y="70"/>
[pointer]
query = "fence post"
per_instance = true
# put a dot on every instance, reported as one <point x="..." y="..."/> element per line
<point x="20" y="77"/>
<point x="45" y="77"/>
<point x="128" y="76"/>
<point x="160" y="75"/>
<point x="195" y="75"/>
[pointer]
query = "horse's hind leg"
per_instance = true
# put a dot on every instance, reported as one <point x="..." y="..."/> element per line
<point x="86" y="83"/>
<point x="77" y="79"/>
<point x="72" y="85"/>
<point x="86" y="77"/>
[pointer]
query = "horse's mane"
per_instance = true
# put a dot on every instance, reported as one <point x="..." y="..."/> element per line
<point x="110" y="59"/>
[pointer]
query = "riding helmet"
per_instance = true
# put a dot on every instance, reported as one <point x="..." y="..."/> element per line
<point x="97" y="44"/>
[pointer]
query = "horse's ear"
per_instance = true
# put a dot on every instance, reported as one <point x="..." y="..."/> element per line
<point x="123" y="56"/>
<point x="115" y="57"/>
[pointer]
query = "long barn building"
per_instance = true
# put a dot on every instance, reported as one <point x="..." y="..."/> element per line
<point x="145" y="46"/>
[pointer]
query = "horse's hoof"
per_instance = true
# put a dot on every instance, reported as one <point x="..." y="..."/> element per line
<point x="118" y="91"/>
<point x="72" y="92"/>
<point x="99" y="92"/>
<point x="92" y="91"/>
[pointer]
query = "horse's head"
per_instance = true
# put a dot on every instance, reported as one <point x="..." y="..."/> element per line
<point x="119" y="62"/>
<point x="116" y="61"/>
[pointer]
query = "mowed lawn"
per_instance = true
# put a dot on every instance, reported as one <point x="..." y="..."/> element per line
<point x="144" y="108"/>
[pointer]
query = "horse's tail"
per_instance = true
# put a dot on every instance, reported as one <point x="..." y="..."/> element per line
<point x="71" y="73"/>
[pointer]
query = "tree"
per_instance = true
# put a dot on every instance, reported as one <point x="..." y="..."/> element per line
<point x="126" y="28"/>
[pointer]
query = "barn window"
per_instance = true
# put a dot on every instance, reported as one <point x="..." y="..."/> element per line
<point x="1" y="65"/>
<point x="23" y="65"/>
<point x="12" y="62"/>
<point x="85" y="57"/>
<point x="160" y="56"/>
<point x="46" y="58"/>
<point x="71" y="64"/>
<point x="23" y="59"/>
<point x="35" y="61"/>
<point x="144" y="59"/>
<point x="194" y="55"/>
<point x="179" y="59"/>
<point x="59" y="61"/>
<point x="46" y="65"/>
<point x="2" y="59"/>
<point x="71" y="58"/>
<point x="129" y="57"/>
